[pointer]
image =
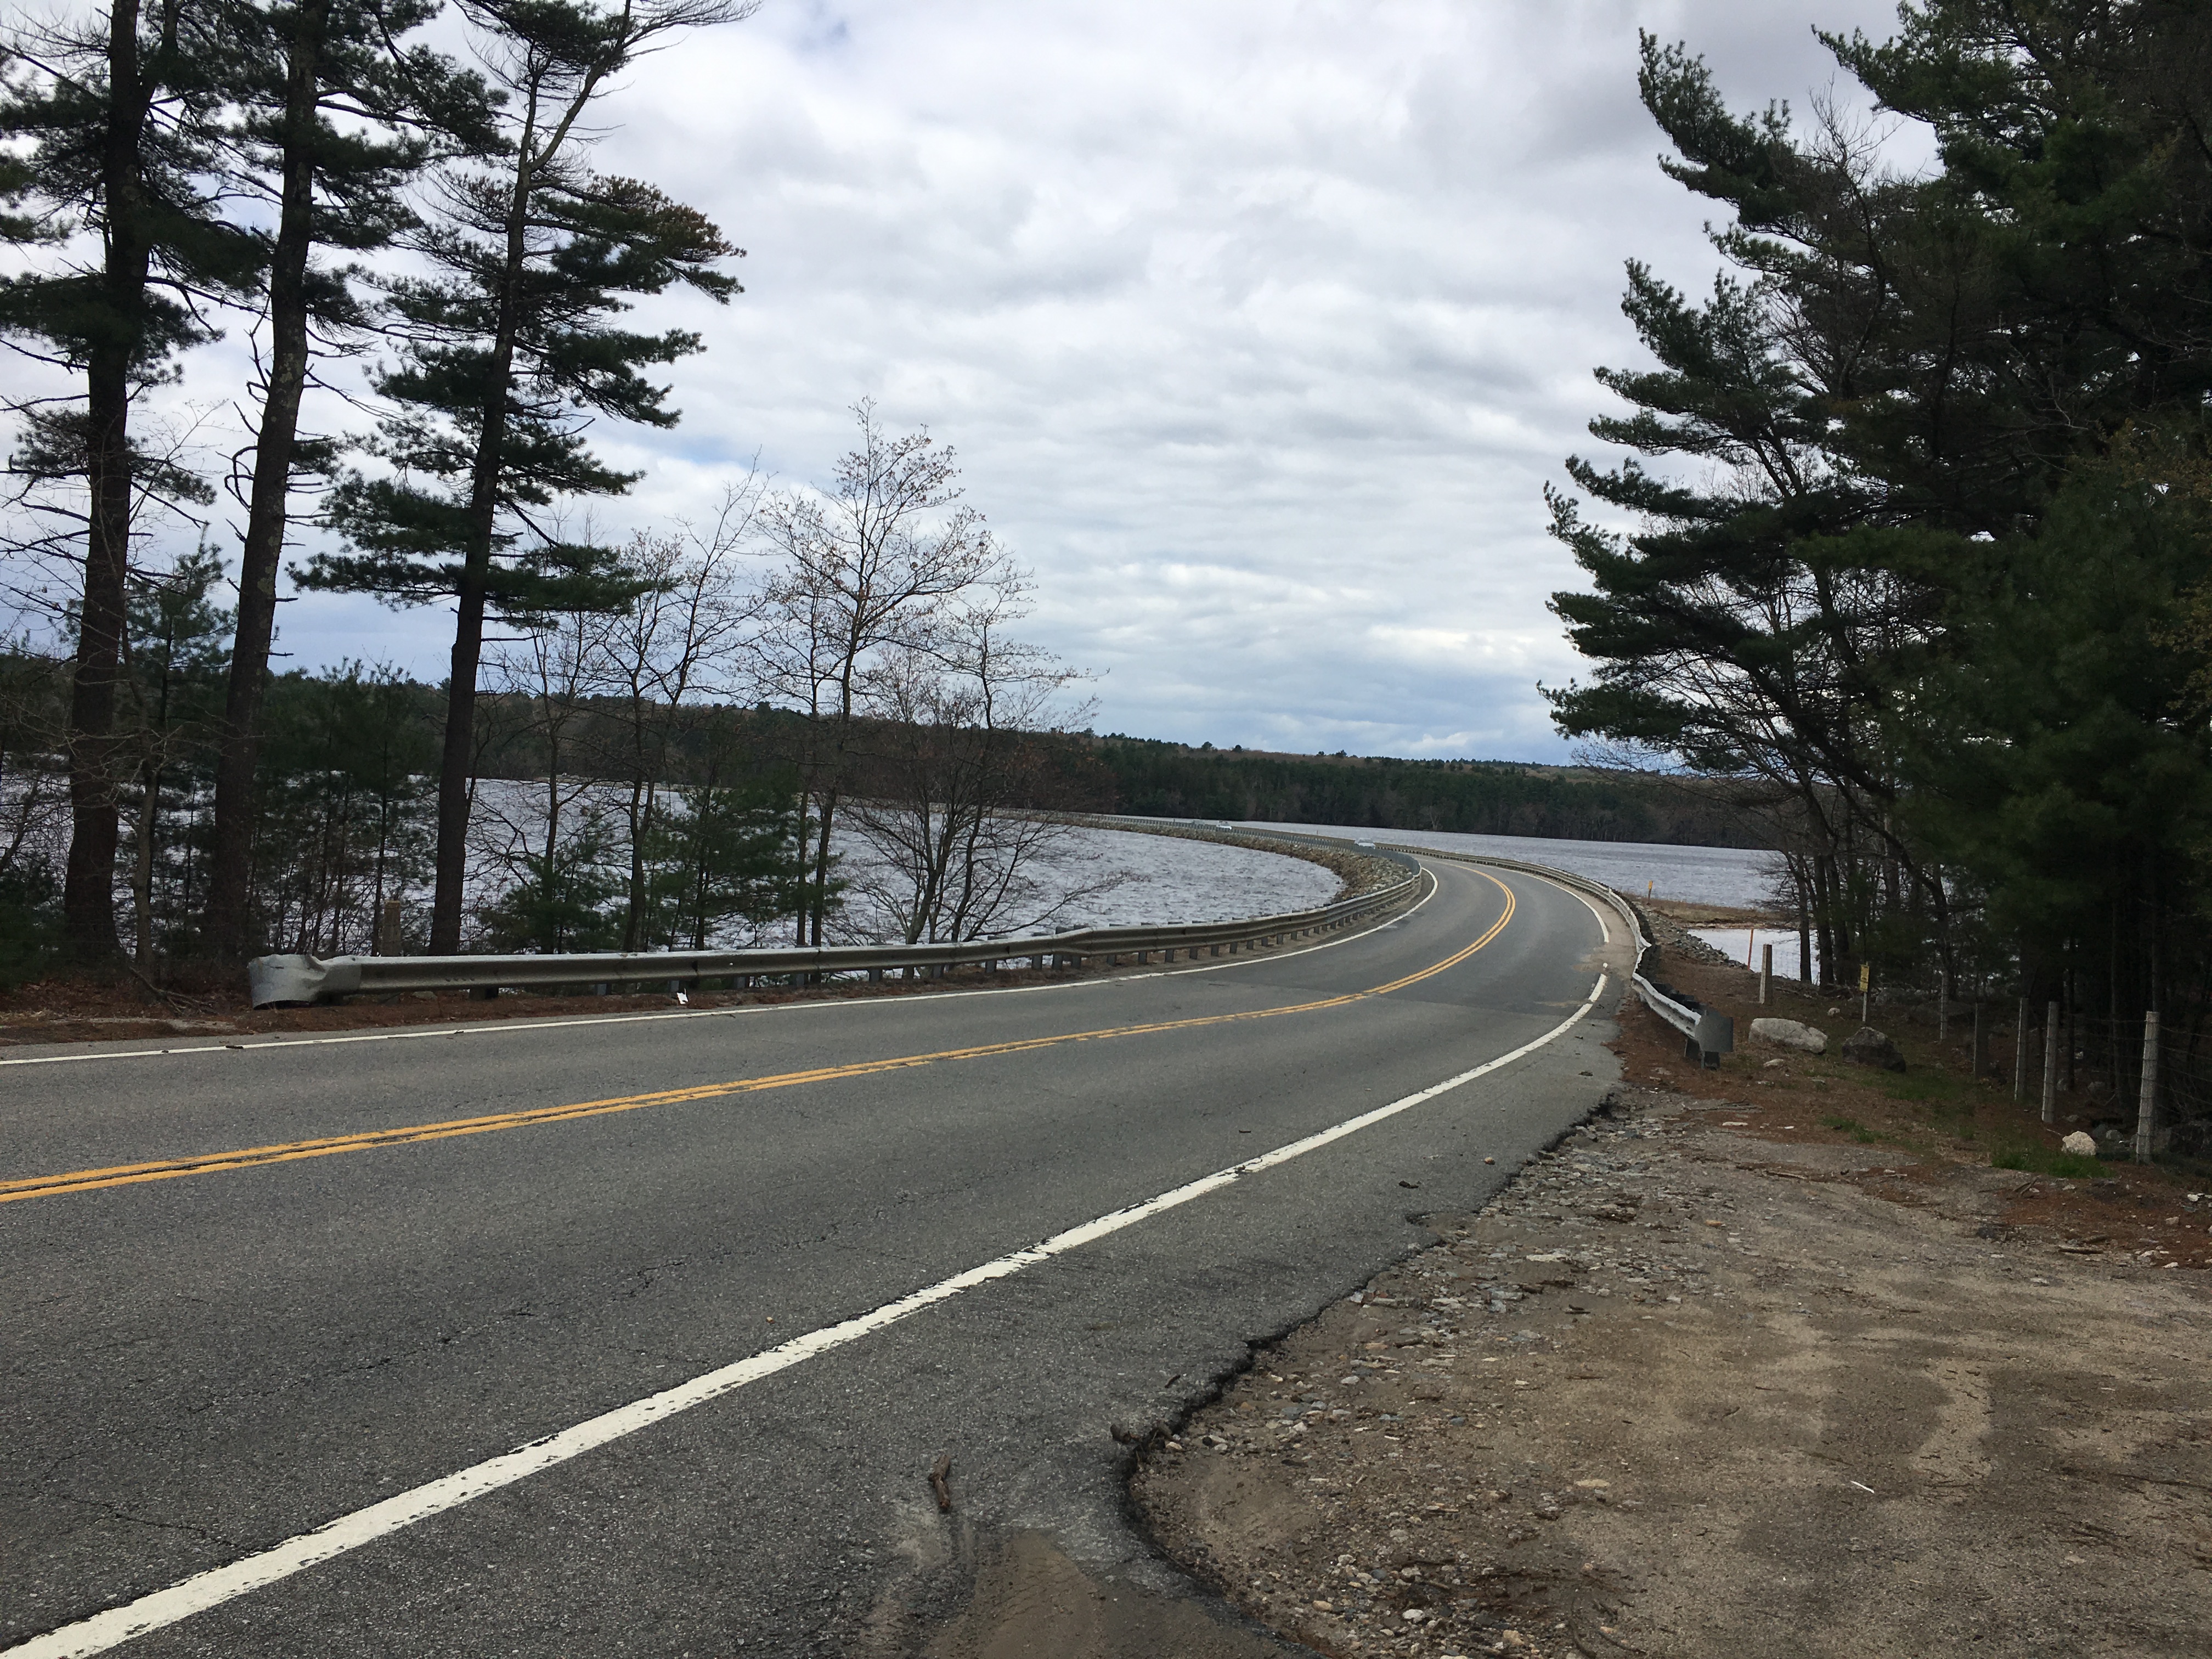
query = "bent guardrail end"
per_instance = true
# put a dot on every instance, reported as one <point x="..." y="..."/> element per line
<point x="1714" y="1037"/>
<point x="293" y="981"/>
<point x="1706" y="1034"/>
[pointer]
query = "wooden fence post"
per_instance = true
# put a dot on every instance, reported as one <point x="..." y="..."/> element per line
<point x="2020" y="1052"/>
<point x="2051" y="1064"/>
<point x="1766" y="975"/>
<point x="2147" y="1106"/>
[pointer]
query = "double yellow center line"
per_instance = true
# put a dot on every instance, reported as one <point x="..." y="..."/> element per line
<point x="249" y="1157"/>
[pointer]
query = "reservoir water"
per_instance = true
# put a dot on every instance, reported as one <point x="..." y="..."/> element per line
<point x="1732" y="876"/>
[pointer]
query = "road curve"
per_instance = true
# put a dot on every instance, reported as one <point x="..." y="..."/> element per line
<point x="281" y="1316"/>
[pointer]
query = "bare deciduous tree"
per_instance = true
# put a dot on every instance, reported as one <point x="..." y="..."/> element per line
<point x="552" y="674"/>
<point x="676" y="643"/>
<point x="866" y="567"/>
<point x="952" y="727"/>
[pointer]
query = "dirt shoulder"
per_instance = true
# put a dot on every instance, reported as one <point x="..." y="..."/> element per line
<point x="1766" y="1360"/>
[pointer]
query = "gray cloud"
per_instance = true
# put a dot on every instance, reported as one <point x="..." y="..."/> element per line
<point x="1258" y="327"/>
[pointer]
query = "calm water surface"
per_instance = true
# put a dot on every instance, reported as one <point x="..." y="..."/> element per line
<point x="1700" y="875"/>
<point x="1742" y="944"/>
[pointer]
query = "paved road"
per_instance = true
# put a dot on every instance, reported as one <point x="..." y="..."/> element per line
<point x="198" y="1368"/>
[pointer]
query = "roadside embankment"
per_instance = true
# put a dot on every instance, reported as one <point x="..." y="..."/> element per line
<point x="1669" y="921"/>
<point x="1770" y="1359"/>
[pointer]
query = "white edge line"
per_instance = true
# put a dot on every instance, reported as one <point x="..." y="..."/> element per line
<point x="217" y="1585"/>
<point x="574" y="1022"/>
<point x="1588" y="904"/>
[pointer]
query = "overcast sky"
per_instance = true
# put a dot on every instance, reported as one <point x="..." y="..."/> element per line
<point x="1257" y="327"/>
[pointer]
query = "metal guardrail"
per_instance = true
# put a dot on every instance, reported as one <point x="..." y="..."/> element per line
<point x="293" y="981"/>
<point x="1706" y="1034"/>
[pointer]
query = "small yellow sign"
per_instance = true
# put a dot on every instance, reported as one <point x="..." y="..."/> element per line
<point x="1866" y="974"/>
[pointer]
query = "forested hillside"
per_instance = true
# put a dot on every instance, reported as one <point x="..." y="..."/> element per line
<point x="1470" y="797"/>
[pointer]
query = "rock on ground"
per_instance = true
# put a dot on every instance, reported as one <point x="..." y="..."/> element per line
<point x="1790" y="1034"/>
<point x="1868" y="1046"/>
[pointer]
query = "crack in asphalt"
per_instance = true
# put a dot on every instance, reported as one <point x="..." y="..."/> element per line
<point x="116" y="1511"/>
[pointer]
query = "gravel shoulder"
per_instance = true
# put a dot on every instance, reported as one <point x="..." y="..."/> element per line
<point x="1715" y="1377"/>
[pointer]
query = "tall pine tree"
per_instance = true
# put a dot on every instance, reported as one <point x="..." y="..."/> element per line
<point x="510" y="349"/>
<point x="118" y="171"/>
<point x="1950" y="602"/>
<point x="336" y="116"/>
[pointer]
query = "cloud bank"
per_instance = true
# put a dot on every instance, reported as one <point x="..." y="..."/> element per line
<point x="1257" y="327"/>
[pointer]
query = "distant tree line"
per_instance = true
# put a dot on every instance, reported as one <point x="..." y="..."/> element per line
<point x="1930" y="575"/>
<point x="1464" y="797"/>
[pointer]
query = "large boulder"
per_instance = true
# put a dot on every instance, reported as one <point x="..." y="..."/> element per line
<point x="2080" y="1144"/>
<point x="1868" y="1046"/>
<point x="1790" y="1034"/>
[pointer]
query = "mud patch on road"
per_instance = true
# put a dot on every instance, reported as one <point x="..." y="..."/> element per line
<point x="1031" y="1600"/>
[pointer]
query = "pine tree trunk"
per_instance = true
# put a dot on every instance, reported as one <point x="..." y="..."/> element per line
<point x="230" y="871"/>
<point x="141" y="885"/>
<point x="88" y="885"/>
<point x="455" y="763"/>
<point x="633" y="888"/>
<point x="455" y="767"/>
<point x="819" y="904"/>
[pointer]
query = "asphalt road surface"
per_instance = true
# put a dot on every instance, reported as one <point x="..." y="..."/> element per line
<point x="665" y="1256"/>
